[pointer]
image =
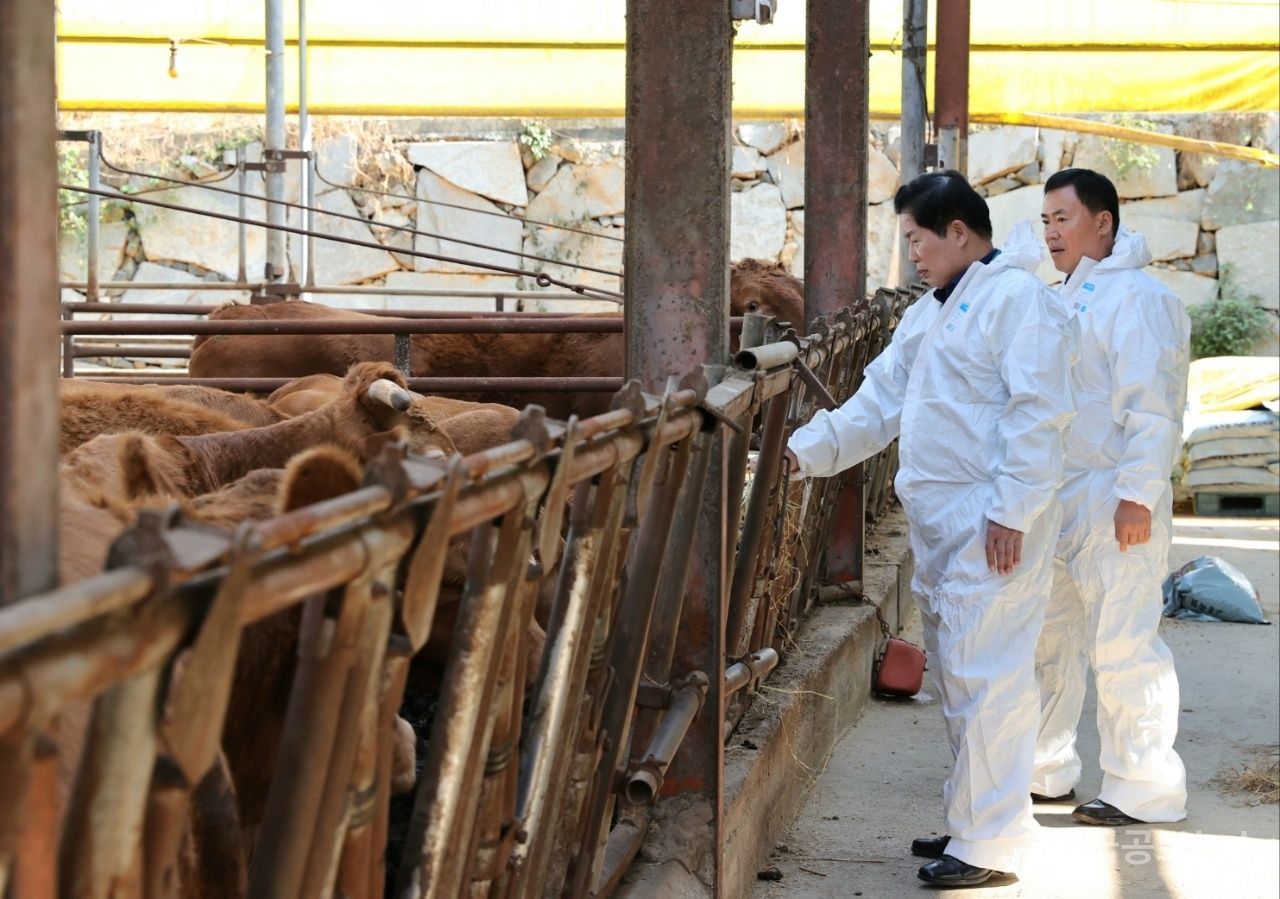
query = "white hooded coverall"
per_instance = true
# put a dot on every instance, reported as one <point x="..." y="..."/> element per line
<point x="1130" y="384"/>
<point x="977" y="388"/>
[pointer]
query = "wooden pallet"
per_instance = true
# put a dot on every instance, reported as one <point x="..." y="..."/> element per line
<point x="1238" y="504"/>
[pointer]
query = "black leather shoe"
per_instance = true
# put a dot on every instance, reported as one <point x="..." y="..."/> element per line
<point x="948" y="871"/>
<point x="1065" y="797"/>
<point x="930" y="847"/>
<point x="1103" y="815"/>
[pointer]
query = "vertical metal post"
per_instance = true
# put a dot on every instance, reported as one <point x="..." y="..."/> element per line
<point x="28" y="341"/>
<point x="93" y="230"/>
<point x="28" y="292"/>
<point x="679" y="66"/>
<point x="306" y="264"/>
<point x="951" y="84"/>
<point x="837" y="73"/>
<point x="242" y="236"/>
<point x="277" y="267"/>
<point x="915" y="108"/>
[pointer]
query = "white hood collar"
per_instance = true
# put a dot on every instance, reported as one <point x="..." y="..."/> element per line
<point x="1130" y="251"/>
<point x="1022" y="249"/>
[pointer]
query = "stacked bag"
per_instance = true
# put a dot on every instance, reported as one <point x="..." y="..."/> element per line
<point x="1231" y="432"/>
<point x="1233" y="452"/>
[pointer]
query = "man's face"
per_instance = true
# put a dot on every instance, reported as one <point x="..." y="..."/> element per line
<point x="1072" y="232"/>
<point x="938" y="258"/>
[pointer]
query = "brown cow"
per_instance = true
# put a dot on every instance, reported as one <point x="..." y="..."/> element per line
<point x="359" y="419"/>
<point x="754" y="287"/>
<point x="469" y="426"/>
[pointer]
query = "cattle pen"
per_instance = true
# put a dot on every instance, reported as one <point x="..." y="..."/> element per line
<point x="673" y="552"/>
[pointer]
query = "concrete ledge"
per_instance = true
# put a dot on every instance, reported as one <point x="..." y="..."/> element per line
<point x="784" y="741"/>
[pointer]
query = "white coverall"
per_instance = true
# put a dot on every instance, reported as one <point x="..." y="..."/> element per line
<point x="979" y="392"/>
<point x="1130" y="384"/>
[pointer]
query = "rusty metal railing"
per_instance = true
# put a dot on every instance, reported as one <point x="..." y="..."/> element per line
<point x="535" y="781"/>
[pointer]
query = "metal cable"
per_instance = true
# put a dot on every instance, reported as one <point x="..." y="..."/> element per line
<point x="542" y="279"/>
<point x="151" y="190"/>
<point x="356" y="218"/>
<point x="527" y="221"/>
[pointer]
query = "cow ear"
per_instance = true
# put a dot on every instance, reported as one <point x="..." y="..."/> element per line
<point x="320" y="473"/>
<point x="138" y="475"/>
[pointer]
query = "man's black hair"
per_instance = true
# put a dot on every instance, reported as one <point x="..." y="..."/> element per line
<point x="1095" y="191"/>
<point x="936" y="199"/>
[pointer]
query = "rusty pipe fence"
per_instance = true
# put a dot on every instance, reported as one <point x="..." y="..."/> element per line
<point x="533" y="784"/>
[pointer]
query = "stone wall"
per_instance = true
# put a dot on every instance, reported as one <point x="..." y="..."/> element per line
<point x="1212" y="224"/>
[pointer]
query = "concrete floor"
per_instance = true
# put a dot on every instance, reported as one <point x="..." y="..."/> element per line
<point x="883" y="783"/>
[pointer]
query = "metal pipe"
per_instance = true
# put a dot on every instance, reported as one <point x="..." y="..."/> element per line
<point x="277" y="265"/>
<point x="138" y="351"/>
<point x="94" y="228"/>
<point x="378" y="325"/>
<point x="643" y="785"/>
<point x="741" y="613"/>
<point x="35" y="617"/>
<point x="914" y="107"/>
<point x="306" y="264"/>
<point x="951" y="84"/>
<point x="753" y="667"/>
<point x="770" y="355"/>
<point x="242" y="234"/>
<point x="420" y="385"/>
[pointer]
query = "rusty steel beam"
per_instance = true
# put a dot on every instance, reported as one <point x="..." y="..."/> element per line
<point x="679" y="68"/>
<point x="28" y="279"/>
<point x="951" y="84"/>
<point x="421" y="385"/>
<point x="837" y="72"/>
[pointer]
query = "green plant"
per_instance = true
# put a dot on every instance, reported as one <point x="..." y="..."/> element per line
<point x="71" y="204"/>
<point x="1229" y="325"/>
<point x="1127" y="155"/>
<point x="537" y="137"/>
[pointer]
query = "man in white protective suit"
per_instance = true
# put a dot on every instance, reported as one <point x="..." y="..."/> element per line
<point x="975" y="383"/>
<point x="1130" y="383"/>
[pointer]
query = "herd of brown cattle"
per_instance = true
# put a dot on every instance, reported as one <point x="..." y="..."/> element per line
<point x="225" y="458"/>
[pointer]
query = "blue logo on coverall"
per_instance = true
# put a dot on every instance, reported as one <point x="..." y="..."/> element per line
<point x="951" y="323"/>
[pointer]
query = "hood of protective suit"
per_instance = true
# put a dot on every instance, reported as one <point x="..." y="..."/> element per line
<point x="1022" y="249"/>
<point x="1130" y="251"/>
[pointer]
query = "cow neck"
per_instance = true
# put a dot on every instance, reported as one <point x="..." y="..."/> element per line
<point x="226" y="456"/>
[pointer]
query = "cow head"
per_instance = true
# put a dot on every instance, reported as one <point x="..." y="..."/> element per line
<point x="767" y="288"/>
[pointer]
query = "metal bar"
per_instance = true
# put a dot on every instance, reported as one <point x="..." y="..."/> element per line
<point x="570" y="325"/>
<point x="356" y="290"/>
<point x="421" y="385"/>
<point x="915" y="109"/>
<point x="837" y="74"/>
<point x="94" y="223"/>
<point x="277" y="265"/>
<point x="742" y="597"/>
<point x="769" y="355"/>
<point x="242" y="233"/>
<point x="138" y="351"/>
<point x="37" y="616"/>
<point x="951" y="84"/>
<point x="306" y="264"/>
<point x="644" y="783"/>
<point x="28" y="333"/>
<point x="753" y="667"/>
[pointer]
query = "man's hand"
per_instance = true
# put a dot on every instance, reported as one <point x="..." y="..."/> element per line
<point x="793" y="465"/>
<point x="1004" y="548"/>
<point x="1133" y="524"/>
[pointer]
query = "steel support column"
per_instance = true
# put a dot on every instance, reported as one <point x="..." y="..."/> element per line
<point x="835" y="156"/>
<point x="837" y="73"/>
<point x="677" y="305"/>
<point x="28" y="302"/>
<point x="951" y="84"/>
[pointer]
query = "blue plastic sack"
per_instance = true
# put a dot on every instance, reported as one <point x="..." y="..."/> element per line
<point x="1211" y="589"/>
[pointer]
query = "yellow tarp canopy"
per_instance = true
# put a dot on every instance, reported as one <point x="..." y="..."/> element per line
<point x="512" y="57"/>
